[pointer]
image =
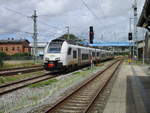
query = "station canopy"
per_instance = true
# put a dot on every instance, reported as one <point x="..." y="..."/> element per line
<point x="109" y="44"/>
<point x="144" y="20"/>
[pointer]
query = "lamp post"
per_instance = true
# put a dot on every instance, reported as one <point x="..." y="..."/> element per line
<point x="130" y="30"/>
<point x="68" y="32"/>
<point x="135" y="27"/>
<point x="143" y="51"/>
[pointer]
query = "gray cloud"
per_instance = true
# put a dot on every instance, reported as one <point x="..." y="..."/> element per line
<point x="113" y="17"/>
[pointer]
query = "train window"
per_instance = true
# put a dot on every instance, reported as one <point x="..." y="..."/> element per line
<point x="98" y="54"/>
<point x="103" y="55"/>
<point x="54" y="47"/>
<point x="93" y="54"/>
<point x="69" y="51"/>
<point x="85" y="56"/>
<point x="74" y="54"/>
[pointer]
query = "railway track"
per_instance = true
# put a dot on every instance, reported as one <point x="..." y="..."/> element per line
<point x="15" y="71"/>
<point x="81" y="99"/>
<point x="6" y="88"/>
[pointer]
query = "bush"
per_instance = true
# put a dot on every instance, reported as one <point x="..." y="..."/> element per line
<point x="21" y="54"/>
<point x="17" y="56"/>
<point x="1" y="62"/>
<point x="3" y="55"/>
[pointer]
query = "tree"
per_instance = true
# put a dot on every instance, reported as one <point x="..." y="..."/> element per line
<point x="72" y="38"/>
<point x="3" y="55"/>
<point x="21" y="54"/>
<point x="1" y="62"/>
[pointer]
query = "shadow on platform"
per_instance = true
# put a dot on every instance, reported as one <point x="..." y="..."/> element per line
<point x="130" y="102"/>
<point x="137" y="85"/>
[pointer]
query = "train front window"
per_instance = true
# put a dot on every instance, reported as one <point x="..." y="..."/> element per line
<point x="54" y="47"/>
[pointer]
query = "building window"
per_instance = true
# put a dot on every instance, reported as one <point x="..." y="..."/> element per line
<point x="6" y="48"/>
<point x="18" y="48"/>
<point x="1" y="48"/>
<point x="69" y="51"/>
<point x="13" y="48"/>
<point x="74" y="54"/>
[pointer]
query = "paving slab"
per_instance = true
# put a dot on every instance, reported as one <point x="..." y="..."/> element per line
<point x="127" y="93"/>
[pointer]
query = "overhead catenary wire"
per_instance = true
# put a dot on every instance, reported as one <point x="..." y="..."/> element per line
<point x="19" y="13"/>
<point x="41" y="22"/>
<point x="92" y="12"/>
<point x="23" y="15"/>
<point x="102" y="10"/>
<point x="26" y="16"/>
<point x="51" y="26"/>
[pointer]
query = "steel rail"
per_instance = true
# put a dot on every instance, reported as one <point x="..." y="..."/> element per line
<point x="82" y="85"/>
<point x="20" y="70"/>
<point x="6" y="88"/>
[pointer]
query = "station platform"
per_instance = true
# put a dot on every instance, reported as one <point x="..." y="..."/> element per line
<point x="131" y="90"/>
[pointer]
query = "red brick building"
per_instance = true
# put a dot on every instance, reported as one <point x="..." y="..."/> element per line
<point x="12" y="46"/>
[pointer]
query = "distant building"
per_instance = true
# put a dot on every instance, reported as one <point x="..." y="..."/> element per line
<point x="144" y="21"/>
<point x="141" y="47"/>
<point x="40" y="48"/>
<point x="144" y="17"/>
<point x="12" y="46"/>
<point x="147" y="48"/>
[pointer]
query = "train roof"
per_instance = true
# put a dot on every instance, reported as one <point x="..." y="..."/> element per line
<point x="78" y="45"/>
<point x="58" y="40"/>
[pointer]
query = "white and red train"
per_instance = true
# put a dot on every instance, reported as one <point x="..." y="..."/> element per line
<point x="59" y="54"/>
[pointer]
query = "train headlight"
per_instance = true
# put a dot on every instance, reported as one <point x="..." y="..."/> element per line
<point x="46" y="58"/>
<point x="58" y="59"/>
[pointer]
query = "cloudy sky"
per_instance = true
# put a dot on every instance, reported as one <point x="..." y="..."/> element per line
<point x="110" y="18"/>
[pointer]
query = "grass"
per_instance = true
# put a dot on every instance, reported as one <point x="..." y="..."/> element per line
<point x="43" y="83"/>
<point x="34" y="98"/>
<point x="84" y="72"/>
<point x="7" y="79"/>
<point x="16" y="64"/>
<point x="77" y="72"/>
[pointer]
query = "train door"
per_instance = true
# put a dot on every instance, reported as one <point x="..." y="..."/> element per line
<point x="79" y="56"/>
<point x="90" y="56"/>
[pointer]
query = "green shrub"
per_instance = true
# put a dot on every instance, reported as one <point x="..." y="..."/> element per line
<point x="21" y="54"/>
<point x="3" y="55"/>
<point x="1" y="62"/>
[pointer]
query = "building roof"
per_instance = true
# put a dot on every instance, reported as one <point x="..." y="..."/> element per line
<point x="108" y="44"/>
<point x="140" y="41"/>
<point x="39" y="44"/>
<point x="13" y="41"/>
<point x="145" y="14"/>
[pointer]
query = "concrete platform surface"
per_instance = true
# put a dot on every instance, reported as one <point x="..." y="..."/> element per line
<point x="131" y="91"/>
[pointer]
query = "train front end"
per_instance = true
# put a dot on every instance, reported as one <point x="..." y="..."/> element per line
<point x="53" y="56"/>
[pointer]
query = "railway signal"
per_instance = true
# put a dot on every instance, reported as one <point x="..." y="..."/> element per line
<point x="91" y="35"/>
<point x="129" y="36"/>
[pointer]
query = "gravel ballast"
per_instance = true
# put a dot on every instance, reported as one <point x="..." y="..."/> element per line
<point x="35" y="100"/>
